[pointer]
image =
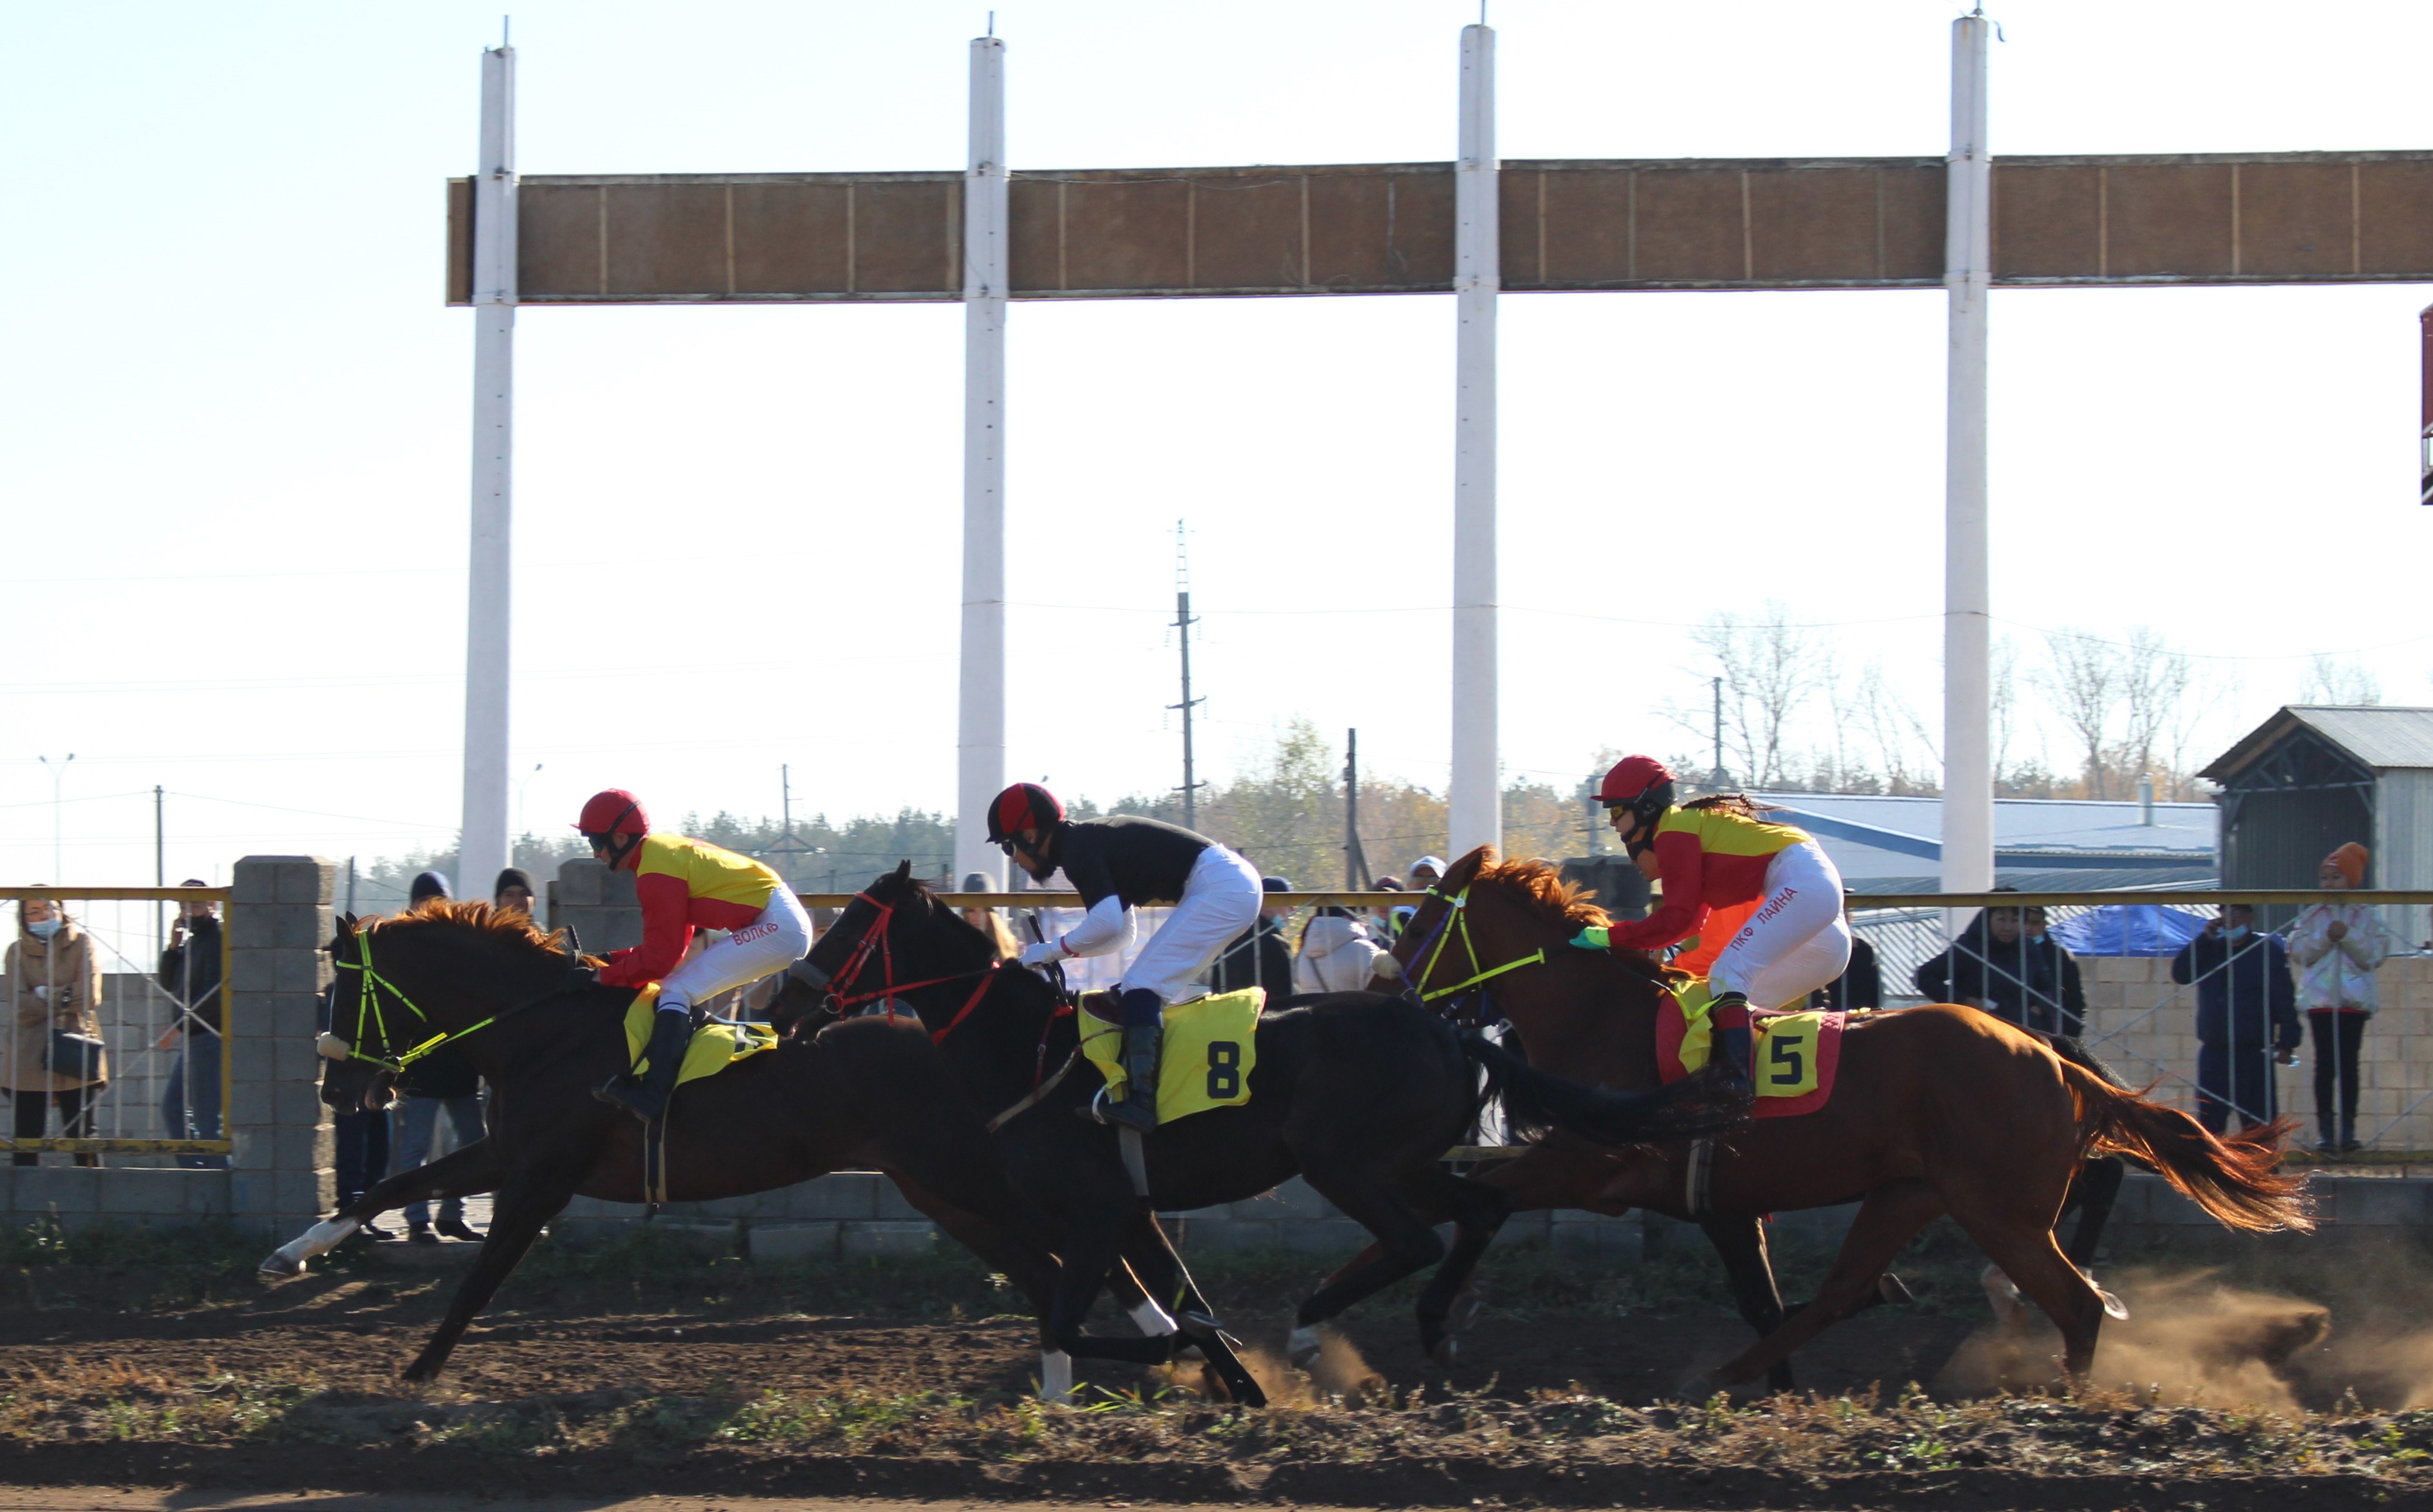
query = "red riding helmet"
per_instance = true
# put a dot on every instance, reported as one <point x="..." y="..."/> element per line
<point x="1024" y="806"/>
<point x="1641" y="784"/>
<point x="614" y="821"/>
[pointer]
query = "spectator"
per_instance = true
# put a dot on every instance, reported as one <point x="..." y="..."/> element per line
<point x="441" y="1083"/>
<point x="1258" y="956"/>
<point x="54" y="988"/>
<point x="361" y="1135"/>
<point x="2336" y="947"/>
<point x="514" y="889"/>
<point x="1391" y="921"/>
<point x="989" y="921"/>
<point x="190" y="974"/>
<point x="1424" y="872"/>
<point x="2247" y="1017"/>
<point x="2006" y="964"/>
<point x="1337" y="956"/>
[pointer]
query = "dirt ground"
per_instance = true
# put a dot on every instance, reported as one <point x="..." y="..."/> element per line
<point x="707" y="1385"/>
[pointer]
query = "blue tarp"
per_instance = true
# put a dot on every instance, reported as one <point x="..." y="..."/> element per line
<point x="2127" y="929"/>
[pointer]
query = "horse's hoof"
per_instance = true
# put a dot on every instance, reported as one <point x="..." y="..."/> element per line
<point x="280" y="1267"/>
<point x="1301" y="1349"/>
<point x="1891" y="1290"/>
<point x="2114" y="1307"/>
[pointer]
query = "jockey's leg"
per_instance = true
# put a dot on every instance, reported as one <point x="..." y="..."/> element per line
<point x="1794" y="943"/>
<point x="1220" y="900"/>
<point x="770" y="944"/>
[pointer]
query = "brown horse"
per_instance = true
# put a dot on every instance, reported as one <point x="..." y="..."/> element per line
<point x="1934" y="1110"/>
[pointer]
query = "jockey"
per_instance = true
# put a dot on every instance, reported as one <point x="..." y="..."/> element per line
<point x="1714" y="853"/>
<point x="685" y="884"/>
<point x="1117" y="865"/>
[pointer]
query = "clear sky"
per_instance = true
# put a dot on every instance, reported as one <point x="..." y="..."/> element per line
<point x="234" y="414"/>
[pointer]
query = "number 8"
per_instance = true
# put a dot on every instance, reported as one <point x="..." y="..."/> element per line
<point x="1224" y="1070"/>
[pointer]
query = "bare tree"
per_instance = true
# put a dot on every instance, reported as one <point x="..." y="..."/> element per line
<point x="2154" y="680"/>
<point x="2085" y="681"/>
<point x="1898" y="734"/>
<point x="1770" y="667"/>
<point x="2332" y="680"/>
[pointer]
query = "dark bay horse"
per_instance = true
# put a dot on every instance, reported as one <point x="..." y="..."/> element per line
<point x="1360" y="1094"/>
<point x="1935" y="1110"/>
<point x="861" y="1095"/>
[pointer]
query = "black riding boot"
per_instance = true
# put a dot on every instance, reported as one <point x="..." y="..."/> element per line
<point x="1731" y="1059"/>
<point x="1144" y="1038"/>
<point x="646" y="1097"/>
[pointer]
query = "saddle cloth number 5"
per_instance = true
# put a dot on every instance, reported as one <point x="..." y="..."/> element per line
<point x="1788" y="1067"/>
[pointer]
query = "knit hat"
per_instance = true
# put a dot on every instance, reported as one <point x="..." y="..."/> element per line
<point x="978" y="882"/>
<point x="2351" y="859"/>
<point x="1274" y="883"/>
<point x="427" y="885"/>
<point x="512" y="877"/>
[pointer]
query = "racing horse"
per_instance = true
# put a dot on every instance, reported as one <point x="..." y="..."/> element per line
<point x="1359" y="1093"/>
<point x="1935" y="1110"/>
<point x="536" y="1023"/>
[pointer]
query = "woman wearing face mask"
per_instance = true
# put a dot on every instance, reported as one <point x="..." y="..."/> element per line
<point x="54" y="987"/>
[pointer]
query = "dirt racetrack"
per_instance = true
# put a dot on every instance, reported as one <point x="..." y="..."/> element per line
<point x="606" y="1377"/>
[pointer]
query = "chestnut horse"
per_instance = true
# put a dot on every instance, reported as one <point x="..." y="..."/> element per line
<point x="1934" y="1110"/>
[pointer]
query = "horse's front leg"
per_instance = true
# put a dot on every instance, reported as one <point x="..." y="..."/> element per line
<point x="526" y="1200"/>
<point x="477" y="1168"/>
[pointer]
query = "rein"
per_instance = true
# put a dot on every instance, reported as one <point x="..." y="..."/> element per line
<point x="1458" y="914"/>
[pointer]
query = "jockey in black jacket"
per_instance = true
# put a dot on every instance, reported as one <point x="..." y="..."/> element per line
<point x="1121" y="864"/>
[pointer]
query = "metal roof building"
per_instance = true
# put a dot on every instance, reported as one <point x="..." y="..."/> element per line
<point x="1883" y="844"/>
<point x="2315" y="776"/>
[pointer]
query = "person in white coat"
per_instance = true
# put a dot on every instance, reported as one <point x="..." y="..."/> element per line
<point x="2334" y="950"/>
<point x="1337" y="956"/>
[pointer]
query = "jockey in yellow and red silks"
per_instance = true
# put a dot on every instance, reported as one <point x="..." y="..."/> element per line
<point x="683" y="885"/>
<point x="1714" y="854"/>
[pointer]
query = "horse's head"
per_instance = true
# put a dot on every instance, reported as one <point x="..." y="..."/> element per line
<point x="896" y="934"/>
<point x="1484" y="914"/>
<point x="401" y="983"/>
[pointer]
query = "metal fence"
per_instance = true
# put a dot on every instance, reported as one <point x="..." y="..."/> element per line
<point x="2130" y="1009"/>
<point x="162" y="1083"/>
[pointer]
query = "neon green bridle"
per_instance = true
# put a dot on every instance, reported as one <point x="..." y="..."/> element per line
<point x="1457" y="907"/>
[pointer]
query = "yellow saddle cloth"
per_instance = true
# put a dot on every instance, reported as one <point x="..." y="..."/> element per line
<point x="715" y="1046"/>
<point x="1797" y="1055"/>
<point x="1210" y="1045"/>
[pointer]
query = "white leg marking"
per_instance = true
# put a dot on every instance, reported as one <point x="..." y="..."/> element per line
<point x="1055" y="1377"/>
<point x="1301" y="1347"/>
<point x="1152" y="1319"/>
<point x="289" y="1257"/>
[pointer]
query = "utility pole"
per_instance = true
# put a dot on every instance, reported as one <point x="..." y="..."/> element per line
<point x="59" y="775"/>
<point x="1597" y="816"/>
<point x="1182" y="623"/>
<point x="792" y="850"/>
<point x="350" y="885"/>
<point x="1355" y="860"/>
<point x="1719" y="778"/>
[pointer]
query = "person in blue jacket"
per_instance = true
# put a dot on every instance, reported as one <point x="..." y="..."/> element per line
<point x="2247" y="1017"/>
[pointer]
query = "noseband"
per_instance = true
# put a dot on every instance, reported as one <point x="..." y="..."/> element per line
<point x="874" y="941"/>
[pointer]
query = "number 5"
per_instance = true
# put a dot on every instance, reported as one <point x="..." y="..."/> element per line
<point x="1783" y="1053"/>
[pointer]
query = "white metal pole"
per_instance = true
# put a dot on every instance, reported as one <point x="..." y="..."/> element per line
<point x="979" y="742"/>
<point x="489" y="583"/>
<point x="1476" y="809"/>
<point x="1967" y="595"/>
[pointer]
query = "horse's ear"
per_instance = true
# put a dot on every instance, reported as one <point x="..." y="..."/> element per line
<point x="1469" y="866"/>
<point x="347" y="925"/>
<point x="903" y="871"/>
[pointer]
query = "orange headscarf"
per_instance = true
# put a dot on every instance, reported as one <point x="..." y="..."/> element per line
<point x="2351" y="859"/>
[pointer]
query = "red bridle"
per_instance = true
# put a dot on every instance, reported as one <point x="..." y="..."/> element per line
<point x="875" y="940"/>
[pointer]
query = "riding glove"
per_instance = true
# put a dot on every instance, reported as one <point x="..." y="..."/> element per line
<point x="1593" y="938"/>
<point x="1043" y="953"/>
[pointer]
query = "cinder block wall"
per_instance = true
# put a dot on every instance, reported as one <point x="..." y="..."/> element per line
<point x="2145" y="1024"/>
<point x="280" y="916"/>
<point x="598" y="904"/>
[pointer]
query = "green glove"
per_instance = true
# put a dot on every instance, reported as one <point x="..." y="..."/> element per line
<point x="1593" y="938"/>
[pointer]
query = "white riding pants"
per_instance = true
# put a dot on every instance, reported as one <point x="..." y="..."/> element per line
<point x="770" y="944"/>
<point x="1796" y="940"/>
<point x="1220" y="900"/>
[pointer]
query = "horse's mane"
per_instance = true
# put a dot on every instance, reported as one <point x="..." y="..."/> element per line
<point x="1544" y="889"/>
<point x="511" y="924"/>
<point x="1557" y="901"/>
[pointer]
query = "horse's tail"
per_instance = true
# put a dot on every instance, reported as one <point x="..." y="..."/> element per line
<point x="2236" y="1181"/>
<point x="1535" y="1101"/>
